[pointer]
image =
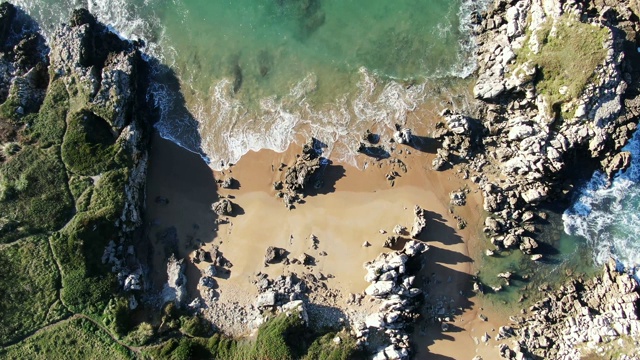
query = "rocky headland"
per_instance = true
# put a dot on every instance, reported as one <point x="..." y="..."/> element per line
<point x="558" y="93"/>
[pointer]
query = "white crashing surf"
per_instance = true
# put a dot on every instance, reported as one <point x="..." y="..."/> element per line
<point x="608" y="215"/>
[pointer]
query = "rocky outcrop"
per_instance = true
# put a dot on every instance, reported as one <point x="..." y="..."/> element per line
<point x="578" y="319"/>
<point x="403" y="136"/>
<point x="175" y="290"/>
<point x="392" y="286"/>
<point x="533" y="130"/>
<point x="419" y="222"/>
<point x="298" y="176"/>
<point x="23" y="62"/>
<point x="274" y="255"/>
<point x="223" y="207"/>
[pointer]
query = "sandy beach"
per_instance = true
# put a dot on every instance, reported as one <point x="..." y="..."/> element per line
<point x="354" y="206"/>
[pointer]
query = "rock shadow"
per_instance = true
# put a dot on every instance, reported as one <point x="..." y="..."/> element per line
<point x="180" y="191"/>
<point x="438" y="230"/>
<point x="425" y="144"/>
<point x="173" y="120"/>
<point x="376" y="152"/>
<point x="324" y="182"/>
<point x="447" y="295"/>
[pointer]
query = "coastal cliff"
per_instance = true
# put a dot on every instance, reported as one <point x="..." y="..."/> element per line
<point x="74" y="140"/>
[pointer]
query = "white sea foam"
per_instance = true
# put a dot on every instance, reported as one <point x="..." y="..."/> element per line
<point x="608" y="215"/>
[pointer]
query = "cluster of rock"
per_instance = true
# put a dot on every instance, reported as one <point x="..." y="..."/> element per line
<point x="23" y="61"/>
<point x="298" y="176"/>
<point x="279" y="291"/>
<point x="392" y="286"/>
<point x="521" y="149"/>
<point x="580" y="318"/>
<point x="419" y="222"/>
<point x="218" y="266"/>
<point x="459" y="136"/>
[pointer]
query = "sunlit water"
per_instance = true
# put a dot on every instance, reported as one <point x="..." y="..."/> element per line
<point x="261" y="74"/>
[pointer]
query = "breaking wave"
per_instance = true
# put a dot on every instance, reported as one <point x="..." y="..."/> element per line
<point x="607" y="214"/>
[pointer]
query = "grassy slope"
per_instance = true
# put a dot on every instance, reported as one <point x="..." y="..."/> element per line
<point x="74" y="339"/>
<point x="29" y="283"/>
<point x="569" y="54"/>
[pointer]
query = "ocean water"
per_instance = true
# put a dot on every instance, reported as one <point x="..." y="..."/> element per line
<point x="262" y="74"/>
<point x="606" y="215"/>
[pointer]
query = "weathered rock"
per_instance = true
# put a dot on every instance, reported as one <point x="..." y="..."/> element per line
<point x="458" y="198"/>
<point x="528" y="244"/>
<point x="403" y="136"/>
<point x="419" y="223"/>
<point x="620" y="161"/>
<point x="223" y="207"/>
<point x="266" y="299"/>
<point x="380" y="288"/>
<point x="228" y="183"/>
<point x="274" y="255"/>
<point x="175" y="290"/>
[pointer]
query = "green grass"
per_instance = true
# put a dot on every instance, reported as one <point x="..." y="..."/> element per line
<point x="78" y="339"/>
<point x="29" y="283"/>
<point x="33" y="193"/>
<point x="281" y="337"/>
<point x="324" y="348"/>
<point x="87" y="284"/>
<point x="48" y="126"/>
<point x="89" y="147"/>
<point x="569" y="54"/>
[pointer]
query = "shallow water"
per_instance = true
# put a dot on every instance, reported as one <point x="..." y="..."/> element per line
<point x="263" y="74"/>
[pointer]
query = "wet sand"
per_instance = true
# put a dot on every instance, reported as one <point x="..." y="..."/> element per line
<point x="351" y="208"/>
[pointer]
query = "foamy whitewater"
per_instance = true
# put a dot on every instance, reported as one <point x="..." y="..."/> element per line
<point x="332" y="99"/>
<point x="608" y="215"/>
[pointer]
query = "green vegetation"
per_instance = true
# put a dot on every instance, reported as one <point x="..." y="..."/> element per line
<point x="116" y="316"/>
<point x="86" y="283"/>
<point x="324" y="348"/>
<point x="569" y="53"/>
<point x="141" y="335"/>
<point x="74" y="339"/>
<point x="195" y="326"/>
<point x="48" y="126"/>
<point x="33" y="193"/>
<point x="29" y="285"/>
<point x="90" y="147"/>
<point x="282" y="337"/>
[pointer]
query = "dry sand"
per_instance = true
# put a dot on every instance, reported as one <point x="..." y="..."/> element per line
<point x="350" y="209"/>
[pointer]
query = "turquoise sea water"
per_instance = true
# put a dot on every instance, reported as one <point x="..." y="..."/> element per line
<point x="260" y="74"/>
